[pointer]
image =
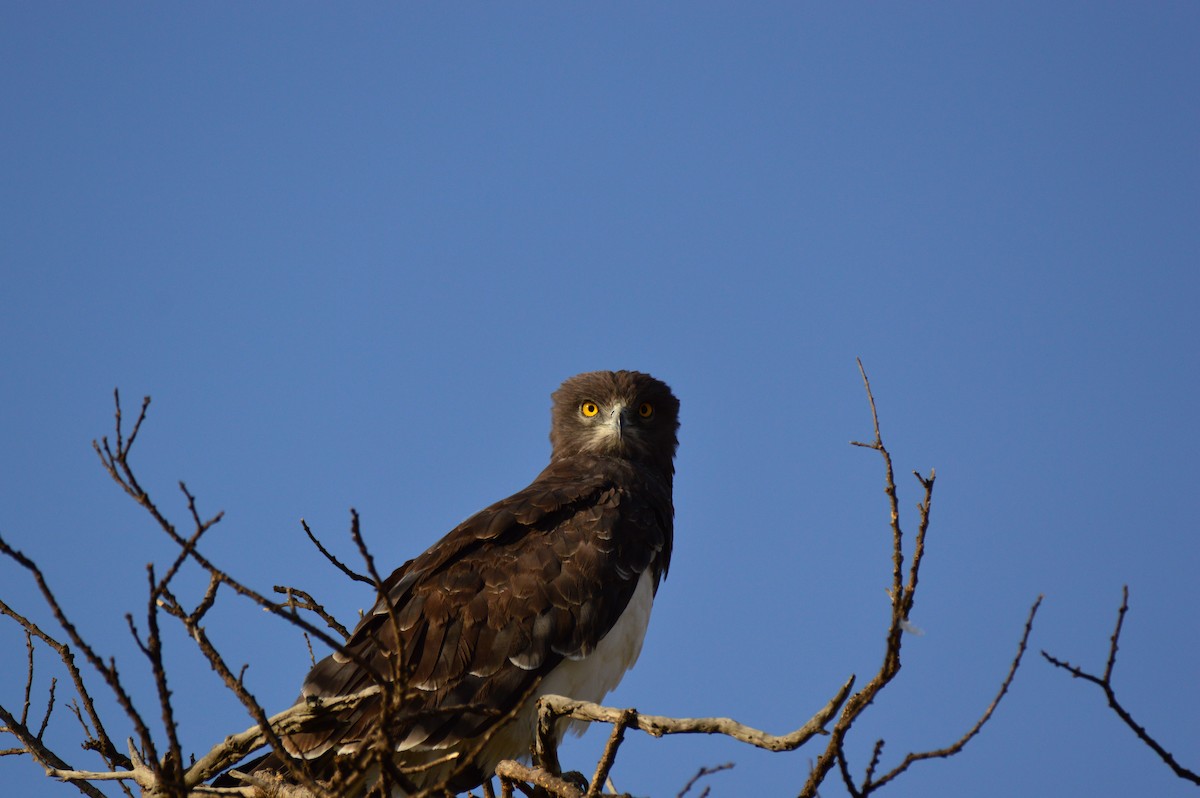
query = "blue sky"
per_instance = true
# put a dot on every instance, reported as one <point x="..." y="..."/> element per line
<point x="351" y="251"/>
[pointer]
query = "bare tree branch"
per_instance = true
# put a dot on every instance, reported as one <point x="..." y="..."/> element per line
<point x="106" y="670"/>
<point x="902" y="599"/>
<point x="1105" y="684"/>
<point x="903" y="596"/>
<point x="357" y="577"/>
<point x="870" y="784"/>
<point x="553" y="707"/>
<point x="610" y="752"/>
<point x="116" y="464"/>
<point x="700" y="774"/>
<point x="298" y="599"/>
<point x="29" y="679"/>
<point x="301" y="717"/>
<point x="44" y="756"/>
<point x="511" y="771"/>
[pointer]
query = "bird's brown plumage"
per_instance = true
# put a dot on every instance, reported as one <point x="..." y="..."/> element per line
<point x="532" y="582"/>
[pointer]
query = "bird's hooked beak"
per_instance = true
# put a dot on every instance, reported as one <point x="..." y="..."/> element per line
<point x="615" y="433"/>
<point x="622" y="433"/>
<point x="616" y="420"/>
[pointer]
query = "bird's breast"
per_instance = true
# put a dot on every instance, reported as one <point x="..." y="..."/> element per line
<point x="594" y="676"/>
<point x="587" y="679"/>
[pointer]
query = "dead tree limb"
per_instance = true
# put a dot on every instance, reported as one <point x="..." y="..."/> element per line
<point x="903" y="596"/>
<point x="553" y="707"/>
<point x="869" y="783"/>
<point x="1104" y="682"/>
<point x="703" y="772"/>
<point x="511" y="772"/>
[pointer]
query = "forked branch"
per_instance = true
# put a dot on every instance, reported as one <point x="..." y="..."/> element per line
<point x="903" y="596"/>
<point x="1104" y="682"/>
<point x="869" y="783"/>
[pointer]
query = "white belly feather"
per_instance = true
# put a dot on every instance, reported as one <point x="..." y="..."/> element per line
<point x="595" y="676"/>
<point x="587" y="679"/>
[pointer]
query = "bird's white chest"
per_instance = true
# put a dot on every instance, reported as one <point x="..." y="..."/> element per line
<point x="595" y="676"/>
<point x="587" y="679"/>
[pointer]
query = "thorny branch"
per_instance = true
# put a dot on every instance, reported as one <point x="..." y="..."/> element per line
<point x="1105" y="684"/>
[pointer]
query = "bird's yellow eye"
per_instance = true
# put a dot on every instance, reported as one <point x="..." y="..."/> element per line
<point x="589" y="409"/>
<point x="645" y="410"/>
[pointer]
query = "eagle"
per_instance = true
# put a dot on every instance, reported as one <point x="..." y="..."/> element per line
<point x="546" y="591"/>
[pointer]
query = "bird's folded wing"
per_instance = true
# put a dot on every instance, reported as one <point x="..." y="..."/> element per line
<point x="480" y="617"/>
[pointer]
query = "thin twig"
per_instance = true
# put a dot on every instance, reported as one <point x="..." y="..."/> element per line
<point x="116" y="464"/>
<point x="103" y="743"/>
<point x="298" y="599"/>
<point x="1105" y="683"/>
<point x="107" y="670"/>
<point x="901" y="605"/>
<point x="45" y="757"/>
<point x="28" y="676"/>
<point x="173" y="773"/>
<point x="604" y="765"/>
<point x="870" y="785"/>
<point x="357" y="577"/>
<point x="701" y="773"/>
<point x="49" y="708"/>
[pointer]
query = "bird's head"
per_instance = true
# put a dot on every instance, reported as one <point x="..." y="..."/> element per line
<point x="616" y="413"/>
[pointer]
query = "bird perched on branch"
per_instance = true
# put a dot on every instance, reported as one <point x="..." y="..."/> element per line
<point x="547" y="591"/>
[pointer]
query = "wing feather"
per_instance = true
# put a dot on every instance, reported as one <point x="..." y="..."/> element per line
<point x="496" y="604"/>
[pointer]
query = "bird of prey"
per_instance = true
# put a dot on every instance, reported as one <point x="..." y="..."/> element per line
<point x="547" y="591"/>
